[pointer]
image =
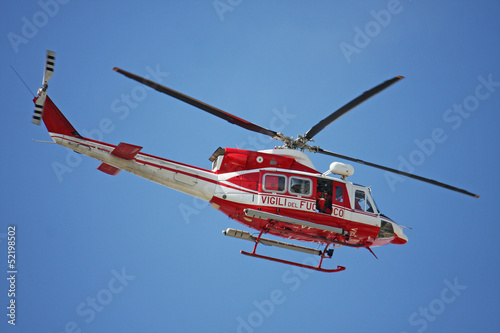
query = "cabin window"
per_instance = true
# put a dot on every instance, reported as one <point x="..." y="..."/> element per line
<point x="339" y="194"/>
<point x="300" y="186"/>
<point x="274" y="183"/>
<point x="361" y="202"/>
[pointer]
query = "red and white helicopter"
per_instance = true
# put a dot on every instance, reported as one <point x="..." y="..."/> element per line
<point x="277" y="192"/>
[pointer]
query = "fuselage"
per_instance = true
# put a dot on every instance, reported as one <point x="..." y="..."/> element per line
<point x="277" y="191"/>
<point x="280" y="185"/>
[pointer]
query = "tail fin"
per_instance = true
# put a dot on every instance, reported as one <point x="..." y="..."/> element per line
<point x="55" y="121"/>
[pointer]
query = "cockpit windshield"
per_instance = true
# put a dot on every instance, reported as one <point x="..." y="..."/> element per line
<point x="373" y="200"/>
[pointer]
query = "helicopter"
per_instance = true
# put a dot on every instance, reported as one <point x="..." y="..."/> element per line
<point x="277" y="192"/>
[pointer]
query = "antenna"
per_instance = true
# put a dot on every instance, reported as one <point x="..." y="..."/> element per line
<point x="20" y="78"/>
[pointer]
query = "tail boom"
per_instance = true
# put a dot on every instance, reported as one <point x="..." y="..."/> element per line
<point x="188" y="179"/>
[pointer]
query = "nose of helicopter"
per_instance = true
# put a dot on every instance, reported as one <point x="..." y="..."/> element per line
<point x="400" y="238"/>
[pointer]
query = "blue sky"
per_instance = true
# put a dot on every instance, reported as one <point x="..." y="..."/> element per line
<point x="97" y="253"/>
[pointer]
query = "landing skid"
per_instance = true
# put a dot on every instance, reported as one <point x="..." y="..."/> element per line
<point x="316" y="268"/>
<point x="324" y="254"/>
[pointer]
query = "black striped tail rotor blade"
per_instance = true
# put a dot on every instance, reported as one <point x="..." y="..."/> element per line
<point x="49" y="66"/>
<point x="39" y="104"/>
<point x="42" y="92"/>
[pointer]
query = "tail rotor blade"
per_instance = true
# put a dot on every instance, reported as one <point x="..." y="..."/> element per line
<point x="39" y="104"/>
<point x="49" y="66"/>
<point x="42" y="92"/>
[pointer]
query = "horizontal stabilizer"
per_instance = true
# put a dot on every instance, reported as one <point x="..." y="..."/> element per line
<point x="126" y="151"/>
<point x="109" y="169"/>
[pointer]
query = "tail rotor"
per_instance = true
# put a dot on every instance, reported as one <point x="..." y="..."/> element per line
<point x="42" y="92"/>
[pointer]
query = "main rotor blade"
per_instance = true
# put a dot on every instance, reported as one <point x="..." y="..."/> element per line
<point x="349" y="106"/>
<point x="427" y="180"/>
<point x="200" y="105"/>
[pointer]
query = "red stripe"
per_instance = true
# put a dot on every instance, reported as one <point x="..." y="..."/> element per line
<point x="144" y="162"/>
<point x="140" y="154"/>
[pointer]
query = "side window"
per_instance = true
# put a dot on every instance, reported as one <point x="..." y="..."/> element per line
<point x="300" y="186"/>
<point x="339" y="194"/>
<point x="274" y="183"/>
<point x="359" y="200"/>
<point x="362" y="203"/>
